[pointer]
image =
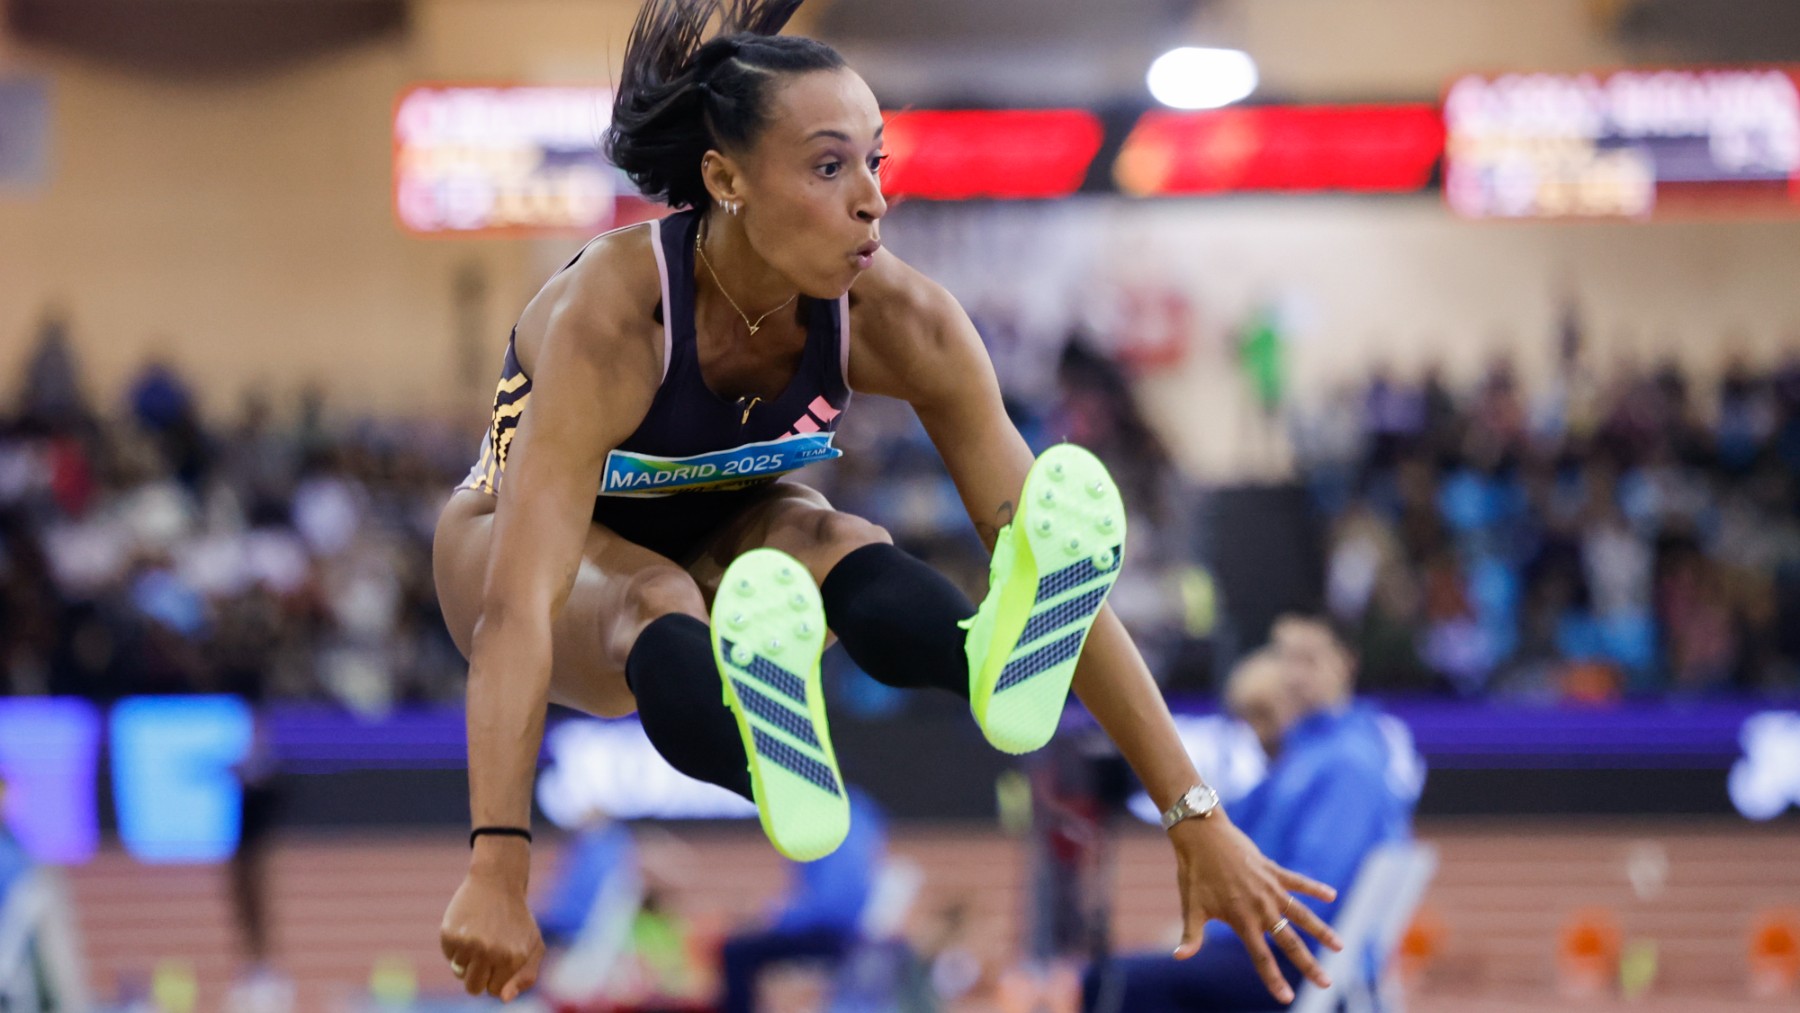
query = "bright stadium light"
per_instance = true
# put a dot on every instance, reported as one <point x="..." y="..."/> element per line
<point x="1195" y="78"/>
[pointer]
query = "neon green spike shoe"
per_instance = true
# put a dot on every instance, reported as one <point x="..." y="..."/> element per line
<point x="768" y="628"/>
<point x="1051" y="571"/>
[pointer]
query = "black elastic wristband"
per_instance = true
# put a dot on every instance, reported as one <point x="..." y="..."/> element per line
<point x="499" y="832"/>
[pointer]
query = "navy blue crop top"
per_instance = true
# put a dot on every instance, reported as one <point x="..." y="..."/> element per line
<point x="692" y="442"/>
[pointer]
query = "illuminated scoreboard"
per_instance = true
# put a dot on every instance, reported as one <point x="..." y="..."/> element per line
<point x="514" y="160"/>
<point x="1631" y="143"/>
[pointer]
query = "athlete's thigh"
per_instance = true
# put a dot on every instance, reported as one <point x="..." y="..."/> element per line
<point x="612" y="587"/>
<point x="794" y="518"/>
<point x="748" y="530"/>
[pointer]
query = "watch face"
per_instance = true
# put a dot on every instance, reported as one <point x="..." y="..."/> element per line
<point x="1198" y="799"/>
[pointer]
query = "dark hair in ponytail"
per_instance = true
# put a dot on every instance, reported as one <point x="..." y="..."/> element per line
<point x="681" y="94"/>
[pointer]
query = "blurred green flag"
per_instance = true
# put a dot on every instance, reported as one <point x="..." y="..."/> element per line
<point x="1260" y="354"/>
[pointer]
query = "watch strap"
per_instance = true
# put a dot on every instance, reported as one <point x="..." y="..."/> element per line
<point x="1185" y="807"/>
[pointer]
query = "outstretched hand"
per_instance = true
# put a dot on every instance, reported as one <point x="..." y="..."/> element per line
<point x="1222" y="874"/>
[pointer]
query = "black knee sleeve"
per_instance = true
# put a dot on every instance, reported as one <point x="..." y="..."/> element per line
<point x="681" y="705"/>
<point x="897" y="619"/>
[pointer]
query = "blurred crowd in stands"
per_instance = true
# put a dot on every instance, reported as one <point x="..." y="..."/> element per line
<point x="287" y="553"/>
<point x="1610" y="535"/>
<point x="143" y="552"/>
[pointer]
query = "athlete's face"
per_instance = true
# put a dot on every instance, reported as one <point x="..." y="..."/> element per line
<point x="811" y="185"/>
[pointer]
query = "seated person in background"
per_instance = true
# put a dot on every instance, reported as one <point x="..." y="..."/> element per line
<point x="1321" y="671"/>
<point x="1325" y="804"/>
<point x="820" y="916"/>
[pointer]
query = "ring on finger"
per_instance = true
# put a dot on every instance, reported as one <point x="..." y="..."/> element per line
<point x="1280" y="927"/>
<point x="1289" y="904"/>
<point x="458" y="969"/>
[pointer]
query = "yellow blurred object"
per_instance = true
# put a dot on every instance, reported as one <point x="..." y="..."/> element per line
<point x="393" y="981"/>
<point x="1637" y="968"/>
<point x="1199" y="601"/>
<point x="174" y="988"/>
<point x="1012" y="795"/>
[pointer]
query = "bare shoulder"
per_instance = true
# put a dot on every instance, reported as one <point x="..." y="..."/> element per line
<point x="908" y="332"/>
<point x="606" y="302"/>
<point x="895" y="299"/>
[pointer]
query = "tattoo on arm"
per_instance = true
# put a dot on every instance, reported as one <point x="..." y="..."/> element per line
<point x="990" y="533"/>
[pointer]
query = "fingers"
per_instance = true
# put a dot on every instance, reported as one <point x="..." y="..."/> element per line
<point x="1190" y="925"/>
<point x="1289" y="940"/>
<point x="459" y="954"/>
<point x="1303" y="884"/>
<point x="1308" y="921"/>
<point x="476" y="971"/>
<point x="1193" y="927"/>
<point x="525" y="977"/>
<point x="502" y="970"/>
<point x="1192" y="935"/>
<point x="498" y="971"/>
<point x="1266" y="967"/>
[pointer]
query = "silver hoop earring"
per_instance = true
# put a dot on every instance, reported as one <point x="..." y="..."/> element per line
<point x="734" y="207"/>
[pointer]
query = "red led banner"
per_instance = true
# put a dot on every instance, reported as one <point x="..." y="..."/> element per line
<point x="1385" y="148"/>
<point x="968" y="154"/>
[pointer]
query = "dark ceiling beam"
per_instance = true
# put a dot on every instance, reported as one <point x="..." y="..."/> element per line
<point x="202" y="38"/>
<point x="1724" y="31"/>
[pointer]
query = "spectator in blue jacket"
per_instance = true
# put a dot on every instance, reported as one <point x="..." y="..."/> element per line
<point x="1321" y="672"/>
<point x="14" y="862"/>
<point x="1325" y="805"/>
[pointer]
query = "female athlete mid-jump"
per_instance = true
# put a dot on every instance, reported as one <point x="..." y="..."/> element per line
<point x="681" y="368"/>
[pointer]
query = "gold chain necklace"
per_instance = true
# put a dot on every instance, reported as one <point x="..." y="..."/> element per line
<point x="701" y="250"/>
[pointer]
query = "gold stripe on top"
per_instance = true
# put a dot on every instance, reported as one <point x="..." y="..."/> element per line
<point x="490" y="450"/>
<point x="502" y="446"/>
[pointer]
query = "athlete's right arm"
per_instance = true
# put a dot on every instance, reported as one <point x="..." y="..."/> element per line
<point x="592" y="380"/>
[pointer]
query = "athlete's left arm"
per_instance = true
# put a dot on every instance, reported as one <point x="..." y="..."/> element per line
<point x="915" y="343"/>
<point x="912" y="341"/>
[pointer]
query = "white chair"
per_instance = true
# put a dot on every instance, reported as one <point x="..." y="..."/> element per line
<point x="1376" y="912"/>
<point x="40" y="953"/>
<point x="881" y="972"/>
<point x="587" y="969"/>
<point x="891" y="896"/>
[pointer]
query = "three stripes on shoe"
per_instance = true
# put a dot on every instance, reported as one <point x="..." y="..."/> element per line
<point x="1066" y="600"/>
<point x="775" y="700"/>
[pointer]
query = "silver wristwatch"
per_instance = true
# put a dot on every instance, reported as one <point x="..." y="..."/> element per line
<point x="1197" y="802"/>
